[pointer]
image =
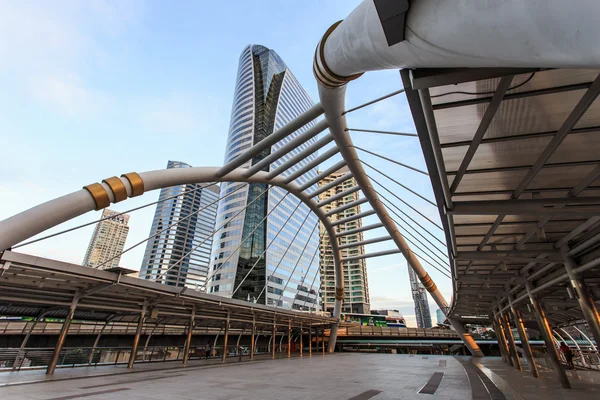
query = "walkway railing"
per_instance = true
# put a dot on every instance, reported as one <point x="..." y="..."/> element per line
<point x="391" y="331"/>
<point x="30" y="358"/>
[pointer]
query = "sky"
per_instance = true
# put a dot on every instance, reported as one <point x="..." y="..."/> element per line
<point x="96" y="89"/>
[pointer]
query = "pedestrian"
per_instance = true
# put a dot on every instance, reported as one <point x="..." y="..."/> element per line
<point x="568" y="353"/>
<point x="208" y="350"/>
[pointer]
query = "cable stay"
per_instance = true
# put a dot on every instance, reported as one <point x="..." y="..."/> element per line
<point x="377" y="100"/>
<point x="392" y="161"/>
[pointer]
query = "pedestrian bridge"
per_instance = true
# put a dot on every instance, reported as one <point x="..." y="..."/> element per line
<point x="506" y="112"/>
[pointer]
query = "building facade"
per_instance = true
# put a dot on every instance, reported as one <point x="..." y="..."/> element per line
<point x="419" y="294"/>
<point x="440" y="317"/>
<point x="178" y="252"/>
<point x="257" y="255"/>
<point x="356" y="284"/>
<point x="107" y="241"/>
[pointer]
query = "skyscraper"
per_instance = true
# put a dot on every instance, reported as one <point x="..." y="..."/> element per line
<point x="356" y="285"/>
<point x="257" y="255"/>
<point x="178" y="253"/>
<point x="419" y="294"/>
<point x="107" y="241"/>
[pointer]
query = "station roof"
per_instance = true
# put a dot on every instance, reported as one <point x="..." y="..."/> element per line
<point x="33" y="286"/>
<point x="514" y="159"/>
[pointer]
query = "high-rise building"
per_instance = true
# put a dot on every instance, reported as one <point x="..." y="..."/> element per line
<point x="178" y="252"/>
<point x="356" y="284"/>
<point x="440" y="317"/>
<point x="419" y="294"/>
<point x="257" y="255"/>
<point x="107" y="241"/>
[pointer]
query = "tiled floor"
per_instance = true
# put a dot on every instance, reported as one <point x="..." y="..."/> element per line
<point x="346" y="376"/>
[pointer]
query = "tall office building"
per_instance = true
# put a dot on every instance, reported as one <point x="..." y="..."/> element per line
<point x="440" y="317"/>
<point x="419" y="294"/>
<point x="257" y="256"/>
<point x="356" y="284"/>
<point x="107" y="241"/>
<point x="178" y="253"/>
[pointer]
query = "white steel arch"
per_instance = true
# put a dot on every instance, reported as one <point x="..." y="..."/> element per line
<point x="97" y="196"/>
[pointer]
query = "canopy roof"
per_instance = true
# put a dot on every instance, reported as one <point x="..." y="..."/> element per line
<point x="514" y="158"/>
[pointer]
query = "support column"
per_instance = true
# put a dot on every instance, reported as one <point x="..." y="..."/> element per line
<point x="62" y="336"/>
<point x="225" y="338"/>
<point x="517" y="317"/>
<point x="511" y="343"/>
<point x="310" y="340"/>
<point x="586" y="302"/>
<point x="289" y="347"/>
<point x="502" y="340"/>
<point x="252" y="337"/>
<point x="547" y="335"/>
<point x="19" y="357"/>
<point x="273" y="339"/>
<point x="136" y="339"/>
<point x="186" y="350"/>
<point x="301" y="342"/>
<point x="323" y="340"/>
<point x="98" y="336"/>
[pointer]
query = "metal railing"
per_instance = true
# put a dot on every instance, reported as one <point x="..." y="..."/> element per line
<point x="31" y="358"/>
<point x="393" y="331"/>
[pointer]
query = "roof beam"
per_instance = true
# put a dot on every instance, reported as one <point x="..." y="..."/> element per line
<point x="325" y="140"/>
<point x="364" y="242"/>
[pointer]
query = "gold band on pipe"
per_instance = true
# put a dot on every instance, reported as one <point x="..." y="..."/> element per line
<point x="339" y="293"/>
<point x="117" y="187"/>
<point x="136" y="182"/>
<point x="99" y="195"/>
<point x="428" y="283"/>
<point x="325" y="75"/>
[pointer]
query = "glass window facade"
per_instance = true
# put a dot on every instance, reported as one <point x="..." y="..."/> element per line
<point x="178" y="253"/>
<point x="271" y="261"/>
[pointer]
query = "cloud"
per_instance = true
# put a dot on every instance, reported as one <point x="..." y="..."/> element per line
<point x="68" y="95"/>
<point x="181" y="114"/>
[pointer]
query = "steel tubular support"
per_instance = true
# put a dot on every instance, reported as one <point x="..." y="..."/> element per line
<point x="323" y="340"/>
<point x="273" y="339"/>
<point x="226" y="338"/>
<point x="301" y="342"/>
<point x="310" y="340"/>
<point x="517" y="317"/>
<point x="62" y="336"/>
<point x="540" y="315"/>
<point x="188" y="341"/>
<point x="289" y="344"/>
<point x="332" y="100"/>
<point x="136" y="338"/>
<point x="18" y="358"/>
<point x="252" y="337"/>
<point x="511" y="342"/>
<point x="502" y="340"/>
<point x="586" y="302"/>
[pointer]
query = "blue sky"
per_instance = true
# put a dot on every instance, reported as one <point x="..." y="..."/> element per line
<point x="99" y="88"/>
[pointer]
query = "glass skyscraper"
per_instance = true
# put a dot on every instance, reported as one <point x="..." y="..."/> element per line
<point x="257" y="256"/>
<point x="419" y="294"/>
<point x="178" y="253"/>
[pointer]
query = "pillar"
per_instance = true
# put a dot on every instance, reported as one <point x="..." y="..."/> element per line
<point x="511" y="343"/>
<point x="98" y="336"/>
<point x="540" y="315"/>
<point x="289" y="347"/>
<point x="252" y="337"/>
<point x="62" y="336"/>
<point x="323" y="340"/>
<point x="310" y="340"/>
<point x="586" y="302"/>
<point x="301" y="342"/>
<point x="186" y="350"/>
<point x="136" y="339"/>
<point x="19" y="357"/>
<point x="225" y="338"/>
<point x="273" y="338"/>
<point x="517" y="317"/>
<point x="502" y="340"/>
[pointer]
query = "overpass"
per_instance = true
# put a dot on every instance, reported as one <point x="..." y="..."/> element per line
<point x="509" y="136"/>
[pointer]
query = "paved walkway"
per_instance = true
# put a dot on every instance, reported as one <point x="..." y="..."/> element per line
<point x="346" y="376"/>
